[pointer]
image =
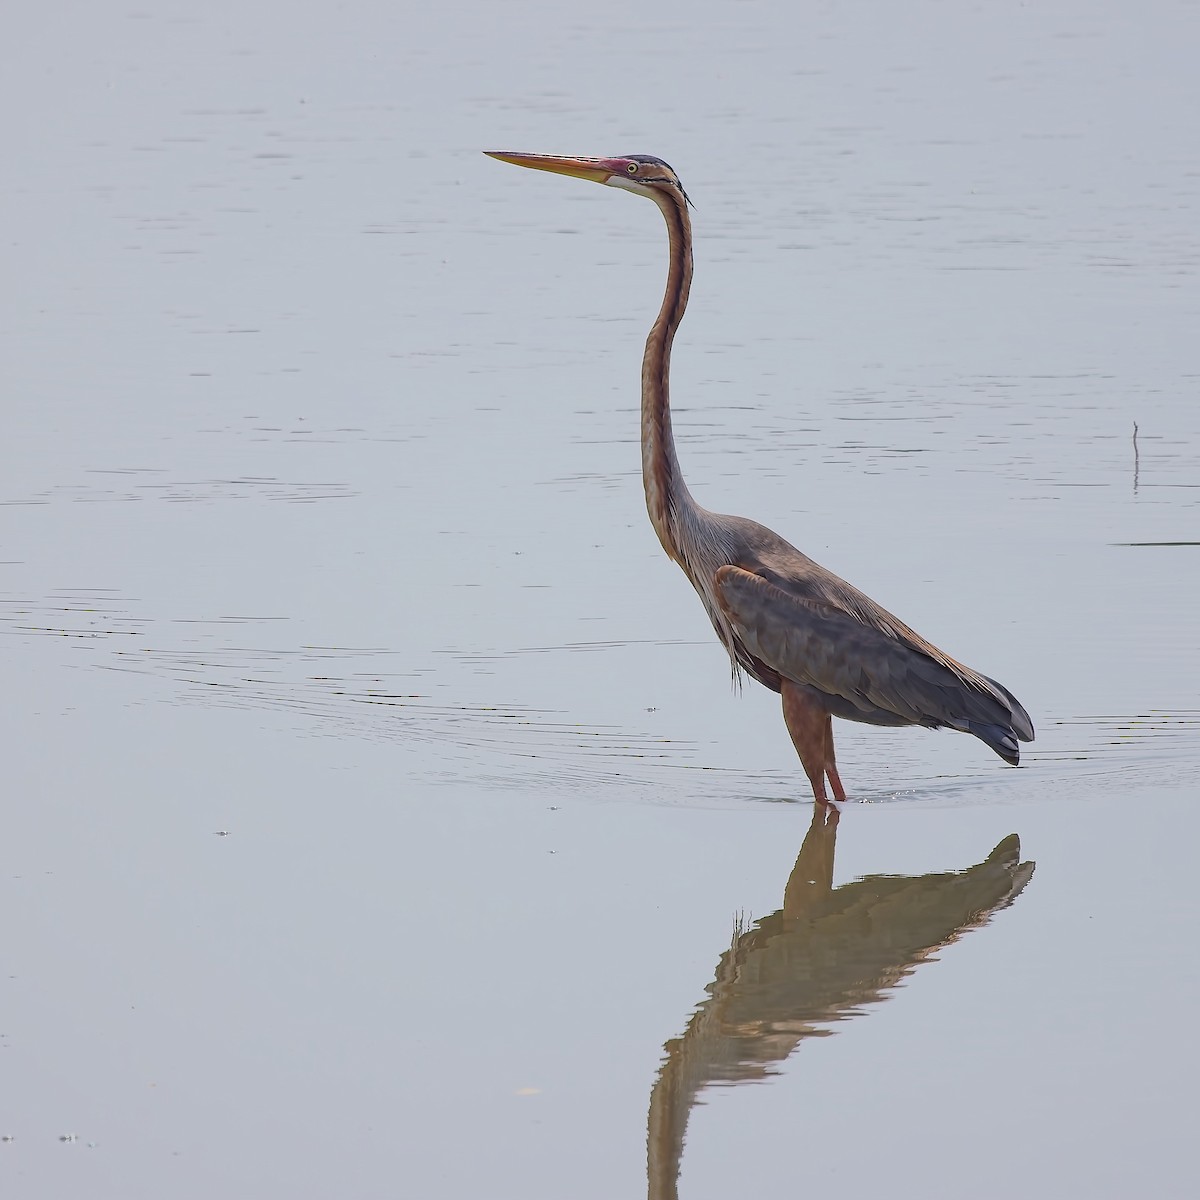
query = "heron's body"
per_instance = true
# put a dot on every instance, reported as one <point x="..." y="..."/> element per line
<point x="797" y="628"/>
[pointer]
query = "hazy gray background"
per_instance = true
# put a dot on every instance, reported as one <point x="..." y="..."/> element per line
<point x="322" y="528"/>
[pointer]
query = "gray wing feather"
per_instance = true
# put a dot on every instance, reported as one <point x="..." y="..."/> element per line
<point x="864" y="673"/>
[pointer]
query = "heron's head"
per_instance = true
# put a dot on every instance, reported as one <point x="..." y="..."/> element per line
<point x="639" y="173"/>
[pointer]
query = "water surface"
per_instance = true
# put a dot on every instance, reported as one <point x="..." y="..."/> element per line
<point x="378" y="814"/>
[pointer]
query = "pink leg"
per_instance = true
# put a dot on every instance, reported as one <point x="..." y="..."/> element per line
<point x="835" y="780"/>
<point x="812" y="735"/>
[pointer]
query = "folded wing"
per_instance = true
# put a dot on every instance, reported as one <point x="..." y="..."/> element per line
<point x="865" y="673"/>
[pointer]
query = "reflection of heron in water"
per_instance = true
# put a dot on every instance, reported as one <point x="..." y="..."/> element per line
<point x="826" y="953"/>
<point x="785" y="620"/>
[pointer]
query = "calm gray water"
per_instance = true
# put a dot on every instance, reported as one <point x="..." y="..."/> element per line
<point x="378" y="816"/>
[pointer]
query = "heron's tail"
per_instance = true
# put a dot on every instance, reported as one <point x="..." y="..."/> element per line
<point x="1002" y="736"/>
<point x="999" y="738"/>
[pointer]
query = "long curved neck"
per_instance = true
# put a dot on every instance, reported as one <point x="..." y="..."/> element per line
<point x="667" y="496"/>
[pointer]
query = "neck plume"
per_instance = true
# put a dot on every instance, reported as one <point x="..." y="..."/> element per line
<point x="667" y="496"/>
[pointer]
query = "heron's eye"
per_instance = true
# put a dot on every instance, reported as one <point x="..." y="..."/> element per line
<point x="632" y="168"/>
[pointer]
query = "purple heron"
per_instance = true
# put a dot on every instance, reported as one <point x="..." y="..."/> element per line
<point x="828" y="649"/>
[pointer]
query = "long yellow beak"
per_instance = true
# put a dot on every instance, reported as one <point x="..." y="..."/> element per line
<point x="581" y="168"/>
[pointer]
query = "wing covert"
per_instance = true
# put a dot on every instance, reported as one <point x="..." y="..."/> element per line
<point x="817" y="645"/>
